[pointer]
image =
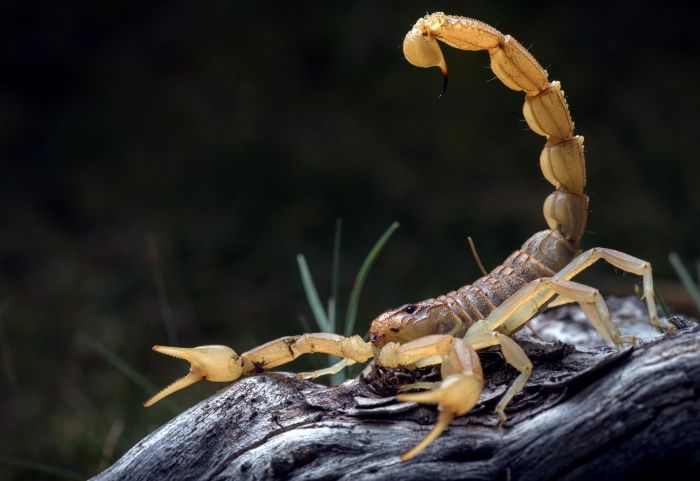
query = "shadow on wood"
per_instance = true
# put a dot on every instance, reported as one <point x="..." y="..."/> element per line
<point x="589" y="412"/>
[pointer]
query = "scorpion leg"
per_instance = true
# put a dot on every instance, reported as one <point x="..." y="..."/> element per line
<point x="529" y="300"/>
<point x="514" y="355"/>
<point x="589" y="299"/>
<point x="559" y="301"/>
<point x="462" y="379"/>
<point x="334" y="369"/>
<point x="419" y="386"/>
<point x="624" y="262"/>
<point x="222" y="364"/>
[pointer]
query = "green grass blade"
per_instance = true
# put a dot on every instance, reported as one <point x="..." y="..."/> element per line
<point x="335" y="276"/>
<point x="351" y="315"/>
<point x="685" y="278"/>
<point x="331" y="314"/>
<point x="40" y="467"/>
<point x="661" y="302"/>
<point x="120" y="365"/>
<point x="312" y="295"/>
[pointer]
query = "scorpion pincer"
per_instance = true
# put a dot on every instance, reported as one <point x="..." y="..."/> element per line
<point x="449" y="330"/>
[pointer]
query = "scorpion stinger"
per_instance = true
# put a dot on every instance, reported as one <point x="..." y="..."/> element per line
<point x="445" y="77"/>
<point x="422" y="50"/>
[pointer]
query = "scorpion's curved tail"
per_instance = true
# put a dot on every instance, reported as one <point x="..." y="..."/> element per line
<point x="545" y="109"/>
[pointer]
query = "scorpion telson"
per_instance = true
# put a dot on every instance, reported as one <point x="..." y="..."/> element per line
<point x="445" y="78"/>
<point x="449" y="329"/>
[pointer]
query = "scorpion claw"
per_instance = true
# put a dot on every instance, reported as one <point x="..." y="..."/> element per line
<point x="214" y="363"/>
<point x="457" y="392"/>
<point x="444" y="419"/>
<point x="176" y="385"/>
<point x="457" y="395"/>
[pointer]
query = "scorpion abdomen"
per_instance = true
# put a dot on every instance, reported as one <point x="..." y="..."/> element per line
<point x="542" y="255"/>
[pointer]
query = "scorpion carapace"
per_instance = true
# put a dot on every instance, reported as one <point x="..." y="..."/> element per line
<point x="448" y="330"/>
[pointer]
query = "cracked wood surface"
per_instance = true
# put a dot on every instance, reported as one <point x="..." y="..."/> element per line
<point x="589" y="412"/>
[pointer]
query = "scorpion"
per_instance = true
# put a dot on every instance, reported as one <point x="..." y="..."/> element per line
<point x="449" y="330"/>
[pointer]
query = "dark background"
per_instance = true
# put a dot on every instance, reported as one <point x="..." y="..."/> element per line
<point x="210" y="142"/>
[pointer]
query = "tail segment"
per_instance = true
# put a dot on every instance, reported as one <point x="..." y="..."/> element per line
<point x="545" y="109"/>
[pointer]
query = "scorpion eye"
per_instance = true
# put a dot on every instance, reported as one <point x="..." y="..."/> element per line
<point x="410" y="309"/>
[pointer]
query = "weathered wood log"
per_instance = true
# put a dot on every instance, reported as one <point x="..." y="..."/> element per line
<point x="589" y="412"/>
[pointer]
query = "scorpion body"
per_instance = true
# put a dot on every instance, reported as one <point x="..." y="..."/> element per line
<point x="449" y="330"/>
<point x="476" y="301"/>
<point x="542" y="255"/>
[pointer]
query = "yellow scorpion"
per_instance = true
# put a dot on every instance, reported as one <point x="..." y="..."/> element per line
<point x="450" y="329"/>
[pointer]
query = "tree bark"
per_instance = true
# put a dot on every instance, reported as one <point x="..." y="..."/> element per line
<point x="589" y="412"/>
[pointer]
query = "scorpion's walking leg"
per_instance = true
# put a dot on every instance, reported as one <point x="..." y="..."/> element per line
<point x="222" y="364"/>
<point x="514" y="355"/>
<point x="525" y="303"/>
<point x="462" y="378"/>
<point x="329" y="371"/>
<point x="520" y="308"/>
<point x="624" y="262"/>
<point x="529" y="300"/>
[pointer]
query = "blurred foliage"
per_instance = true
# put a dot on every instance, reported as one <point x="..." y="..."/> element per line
<point x="690" y="285"/>
<point x="209" y="142"/>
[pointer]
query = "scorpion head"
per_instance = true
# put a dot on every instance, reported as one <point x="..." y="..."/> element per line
<point x="421" y="48"/>
<point x="413" y="321"/>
